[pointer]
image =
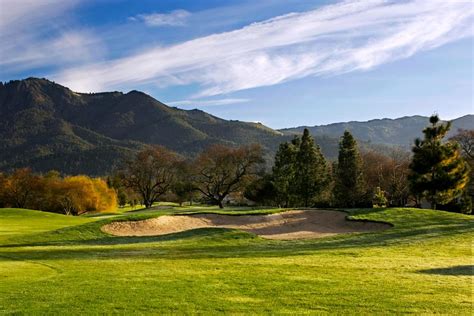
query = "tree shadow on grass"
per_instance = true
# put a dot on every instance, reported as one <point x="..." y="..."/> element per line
<point x="455" y="270"/>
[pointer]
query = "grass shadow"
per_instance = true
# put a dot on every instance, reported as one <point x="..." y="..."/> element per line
<point x="455" y="270"/>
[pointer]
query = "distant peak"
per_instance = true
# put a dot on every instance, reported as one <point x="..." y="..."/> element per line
<point x="38" y="79"/>
<point x="137" y="92"/>
<point x="33" y="81"/>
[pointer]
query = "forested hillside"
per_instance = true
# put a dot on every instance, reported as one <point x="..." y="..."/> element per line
<point x="45" y="126"/>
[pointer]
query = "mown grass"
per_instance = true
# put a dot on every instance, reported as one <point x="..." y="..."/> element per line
<point x="66" y="265"/>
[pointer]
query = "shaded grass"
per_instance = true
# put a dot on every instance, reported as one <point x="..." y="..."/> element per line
<point x="455" y="270"/>
<point x="70" y="266"/>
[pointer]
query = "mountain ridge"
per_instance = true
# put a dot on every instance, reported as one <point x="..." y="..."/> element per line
<point x="41" y="121"/>
<point x="386" y="131"/>
<point x="47" y="126"/>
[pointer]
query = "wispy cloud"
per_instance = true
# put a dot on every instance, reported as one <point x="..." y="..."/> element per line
<point x="345" y="37"/>
<point x="174" y="18"/>
<point x="69" y="47"/>
<point x="205" y="103"/>
<point x="24" y="45"/>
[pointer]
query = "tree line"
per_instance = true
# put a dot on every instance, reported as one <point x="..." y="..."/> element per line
<point x="302" y="177"/>
<point x="437" y="172"/>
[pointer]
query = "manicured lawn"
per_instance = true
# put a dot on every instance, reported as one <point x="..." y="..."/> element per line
<point x="65" y="265"/>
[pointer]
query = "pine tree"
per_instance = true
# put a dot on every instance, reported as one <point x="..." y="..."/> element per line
<point x="349" y="190"/>
<point x="283" y="172"/>
<point x="438" y="172"/>
<point x="311" y="171"/>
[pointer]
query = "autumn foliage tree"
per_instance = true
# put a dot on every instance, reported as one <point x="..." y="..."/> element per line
<point x="151" y="173"/>
<point x="79" y="194"/>
<point x="220" y="170"/>
<point x="51" y="192"/>
<point x="21" y="187"/>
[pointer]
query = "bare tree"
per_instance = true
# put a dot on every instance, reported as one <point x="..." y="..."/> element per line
<point x="388" y="173"/>
<point x="150" y="174"/>
<point x="222" y="170"/>
<point x="399" y="188"/>
<point x="465" y="139"/>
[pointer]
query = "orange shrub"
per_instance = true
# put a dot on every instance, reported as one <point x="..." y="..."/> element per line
<point x="73" y="195"/>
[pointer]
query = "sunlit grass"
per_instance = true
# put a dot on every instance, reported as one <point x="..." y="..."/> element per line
<point x="65" y="265"/>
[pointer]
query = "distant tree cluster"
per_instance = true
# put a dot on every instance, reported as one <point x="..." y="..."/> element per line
<point x="214" y="175"/>
<point x="437" y="172"/>
<point x="302" y="177"/>
<point x="72" y="195"/>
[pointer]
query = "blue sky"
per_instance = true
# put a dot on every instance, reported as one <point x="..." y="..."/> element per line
<point x="282" y="63"/>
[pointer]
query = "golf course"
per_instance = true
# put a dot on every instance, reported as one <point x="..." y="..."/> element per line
<point x="421" y="262"/>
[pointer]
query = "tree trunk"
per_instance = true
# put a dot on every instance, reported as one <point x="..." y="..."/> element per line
<point x="221" y="205"/>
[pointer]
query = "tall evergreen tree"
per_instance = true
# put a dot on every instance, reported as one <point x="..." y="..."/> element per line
<point x="438" y="172"/>
<point x="283" y="172"/>
<point x="311" y="171"/>
<point x="349" y="190"/>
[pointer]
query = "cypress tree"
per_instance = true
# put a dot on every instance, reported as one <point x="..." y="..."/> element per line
<point x="283" y="172"/>
<point x="312" y="173"/>
<point x="349" y="189"/>
<point x="438" y="172"/>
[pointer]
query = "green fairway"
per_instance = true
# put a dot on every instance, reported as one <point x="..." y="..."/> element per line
<point x="65" y="265"/>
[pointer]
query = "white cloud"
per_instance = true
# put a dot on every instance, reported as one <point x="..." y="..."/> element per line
<point x="204" y="103"/>
<point x="34" y="34"/>
<point x="174" y="18"/>
<point x="68" y="47"/>
<point x="21" y="14"/>
<point x="345" y="37"/>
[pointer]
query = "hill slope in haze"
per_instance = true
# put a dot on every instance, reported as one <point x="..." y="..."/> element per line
<point x="398" y="132"/>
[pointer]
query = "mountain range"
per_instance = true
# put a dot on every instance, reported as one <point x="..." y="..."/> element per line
<point x="398" y="132"/>
<point x="46" y="126"/>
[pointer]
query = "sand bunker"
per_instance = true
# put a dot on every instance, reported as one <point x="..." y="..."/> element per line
<point x="286" y="225"/>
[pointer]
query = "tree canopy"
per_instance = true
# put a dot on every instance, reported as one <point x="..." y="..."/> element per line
<point x="151" y="173"/>
<point x="221" y="170"/>
<point x="350" y="186"/>
<point x="438" y="171"/>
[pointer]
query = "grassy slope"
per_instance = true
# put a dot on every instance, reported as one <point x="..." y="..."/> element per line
<point x="57" y="264"/>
